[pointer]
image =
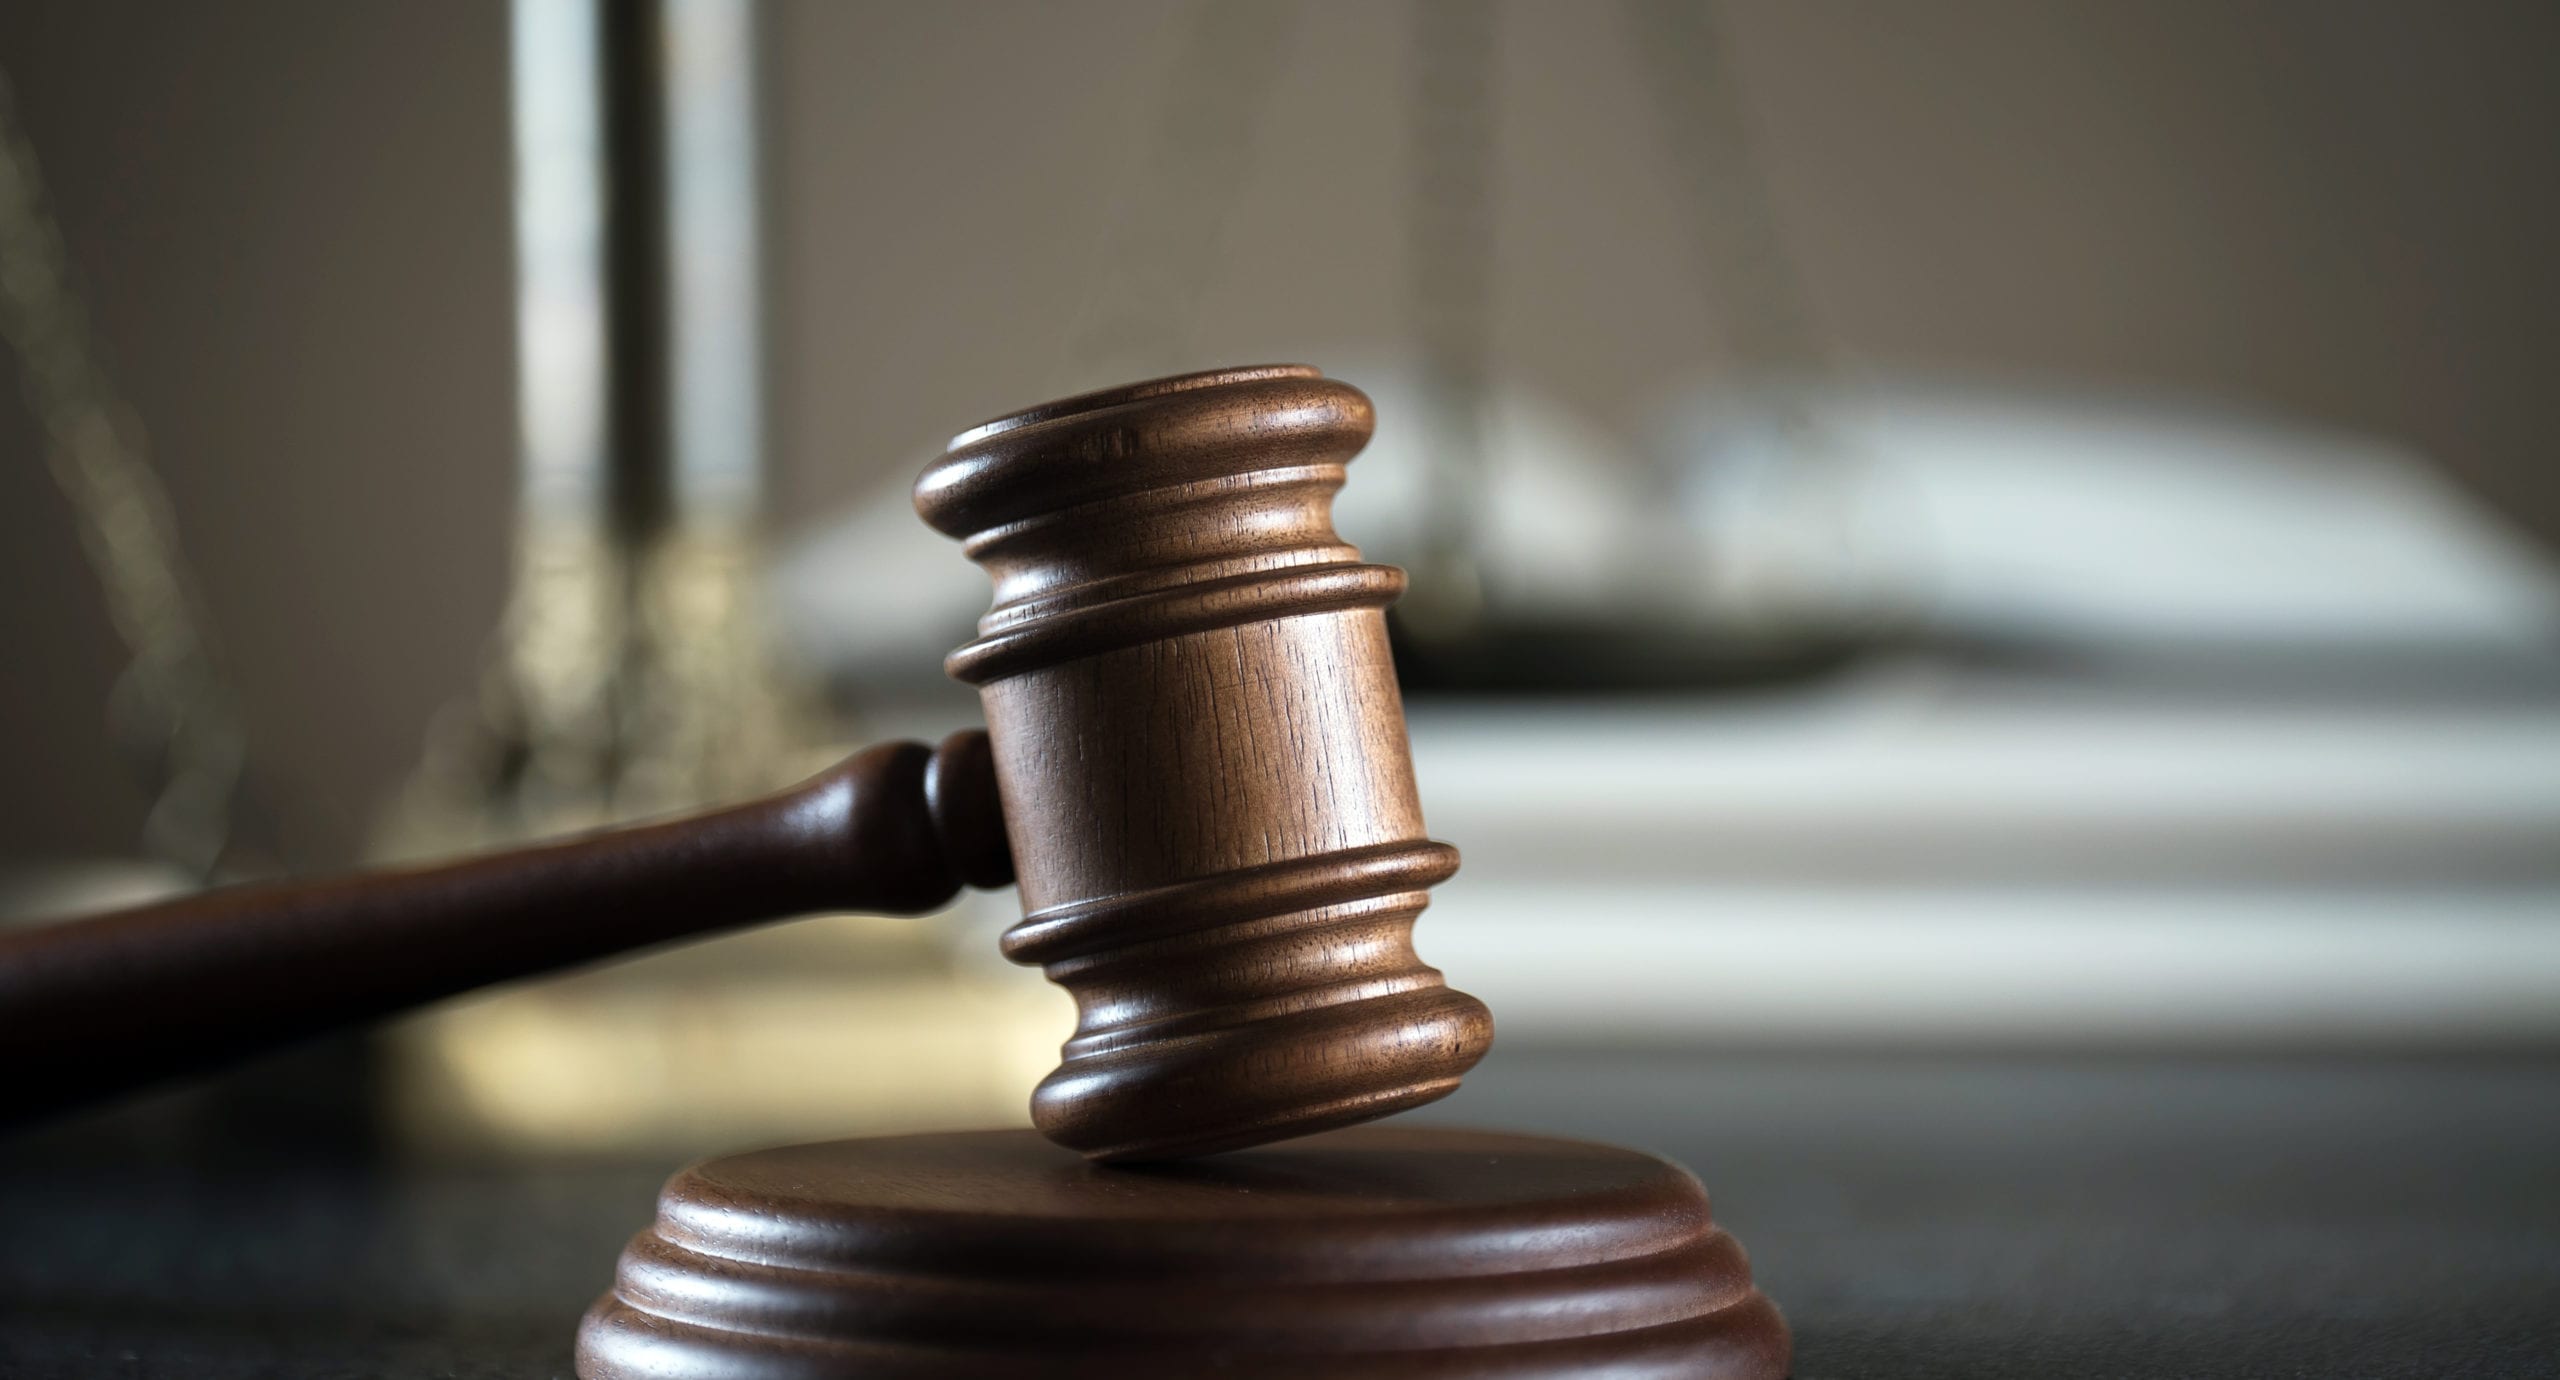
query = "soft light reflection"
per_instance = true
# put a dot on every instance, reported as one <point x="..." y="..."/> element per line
<point x="559" y="208"/>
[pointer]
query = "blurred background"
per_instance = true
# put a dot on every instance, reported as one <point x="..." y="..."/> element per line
<point x="2021" y="527"/>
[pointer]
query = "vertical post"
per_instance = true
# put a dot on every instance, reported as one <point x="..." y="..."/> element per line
<point x="639" y="462"/>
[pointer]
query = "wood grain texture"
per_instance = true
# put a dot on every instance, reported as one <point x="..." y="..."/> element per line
<point x="1201" y="748"/>
<point x="93" y="1007"/>
<point x="1196" y="754"/>
<point x="1368" y="1252"/>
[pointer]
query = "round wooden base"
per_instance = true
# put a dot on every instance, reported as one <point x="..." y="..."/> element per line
<point x="1375" y="1251"/>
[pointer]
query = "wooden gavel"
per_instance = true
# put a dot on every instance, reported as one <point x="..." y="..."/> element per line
<point x="1195" y="764"/>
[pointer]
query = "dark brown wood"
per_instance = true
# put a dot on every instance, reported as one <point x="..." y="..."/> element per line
<point x="1377" y="1251"/>
<point x="1198" y="746"/>
<point x="92" y="1007"/>
<point x="1201" y="749"/>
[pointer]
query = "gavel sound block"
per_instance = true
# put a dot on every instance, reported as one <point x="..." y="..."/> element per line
<point x="1196" y="766"/>
<point x="1373" y="1253"/>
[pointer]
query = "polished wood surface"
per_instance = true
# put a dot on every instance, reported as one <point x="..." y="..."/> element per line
<point x="1201" y="748"/>
<point x="1377" y="1251"/>
<point x="94" y="1007"/>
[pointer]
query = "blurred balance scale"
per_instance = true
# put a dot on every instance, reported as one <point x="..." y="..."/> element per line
<point x="635" y="672"/>
<point x="632" y="675"/>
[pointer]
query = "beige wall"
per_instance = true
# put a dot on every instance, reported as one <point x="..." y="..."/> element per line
<point x="2343" y="210"/>
<point x="291" y="218"/>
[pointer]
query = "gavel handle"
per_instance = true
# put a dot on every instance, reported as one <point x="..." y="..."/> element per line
<point x="91" y="1008"/>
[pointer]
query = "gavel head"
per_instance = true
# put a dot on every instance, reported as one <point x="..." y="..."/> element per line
<point x="1201" y="752"/>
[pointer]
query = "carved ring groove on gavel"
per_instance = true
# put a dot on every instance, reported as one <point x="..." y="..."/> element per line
<point x="1195" y="762"/>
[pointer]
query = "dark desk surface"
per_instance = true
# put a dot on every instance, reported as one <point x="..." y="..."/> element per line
<point x="1915" y="1217"/>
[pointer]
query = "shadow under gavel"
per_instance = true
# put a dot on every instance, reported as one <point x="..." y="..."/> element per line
<point x="1195" y="761"/>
